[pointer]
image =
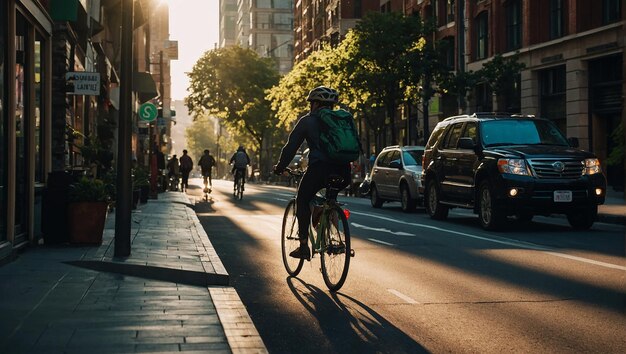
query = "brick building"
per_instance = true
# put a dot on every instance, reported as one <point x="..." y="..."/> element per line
<point x="574" y="56"/>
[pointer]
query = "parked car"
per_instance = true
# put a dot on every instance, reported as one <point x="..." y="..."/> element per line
<point x="396" y="176"/>
<point x="503" y="165"/>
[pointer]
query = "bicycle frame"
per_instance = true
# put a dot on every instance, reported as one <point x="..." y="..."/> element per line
<point x="318" y="242"/>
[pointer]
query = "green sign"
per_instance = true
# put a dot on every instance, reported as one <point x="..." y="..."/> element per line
<point x="148" y="112"/>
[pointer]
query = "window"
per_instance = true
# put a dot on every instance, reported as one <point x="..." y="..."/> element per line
<point x="3" y="139"/>
<point x="283" y="21"/>
<point x="412" y="157"/>
<point x="481" y="36"/>
<point x="39" y="108"/>
<point x="358" y="8"/>
<point x="556" y="19"/>
<point x="513" y="25"/>
<point x="447" y="50"/>
<point x="611" y="11"/>
<point x="453" y="136"/>
<point x="484" y="101"/>
<point x="383" y="161"/>
<point x="261" y="20"/>
<point x="282" y="46"/>
<point x="470" y="131"/>
<point x="552" y="86"/>
<point x="450" y="10"/>
<point x="435" y="5"/>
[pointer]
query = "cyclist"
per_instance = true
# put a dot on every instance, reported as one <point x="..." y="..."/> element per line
<point x="240" y="161"/>
<point x="206" y="166"/>
<point x="186" y="165"/>
<point x="319" y="165"/>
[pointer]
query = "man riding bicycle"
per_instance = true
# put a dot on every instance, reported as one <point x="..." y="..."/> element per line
<point x="206" y="166"/>
<point x="319" y="165"/>
<point x="240" y="161"/>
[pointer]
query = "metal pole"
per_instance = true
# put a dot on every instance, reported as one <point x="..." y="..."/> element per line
<point x="124" y="186"/>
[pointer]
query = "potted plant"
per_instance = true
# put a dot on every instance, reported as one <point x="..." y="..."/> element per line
<point x="87" y="210"/>
<point x="141" y="181"/>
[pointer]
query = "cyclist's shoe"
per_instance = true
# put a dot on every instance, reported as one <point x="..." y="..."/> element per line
<point x="206" y="190"/>
<point x="302" y="252"/>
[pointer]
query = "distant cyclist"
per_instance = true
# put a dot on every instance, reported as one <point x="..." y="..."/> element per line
<point x="206" y="166"/>
<point x="240" y="161"/>
<point x="319" y="165"/>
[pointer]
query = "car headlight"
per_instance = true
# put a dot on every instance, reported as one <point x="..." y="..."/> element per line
<point x="513" y="166"/>
<point x="592" y="166"/>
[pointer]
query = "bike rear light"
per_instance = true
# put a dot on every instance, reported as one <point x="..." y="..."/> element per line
<point x="346" y="212"/>
<point x="513" y="166"/>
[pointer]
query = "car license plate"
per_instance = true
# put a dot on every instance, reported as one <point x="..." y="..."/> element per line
<point x="562" y="196"/>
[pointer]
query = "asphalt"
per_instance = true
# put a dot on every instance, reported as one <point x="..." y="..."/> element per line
<point x="171" y="294"/>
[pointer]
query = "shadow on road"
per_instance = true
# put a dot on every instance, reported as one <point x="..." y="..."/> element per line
<point x="350" y="325"/>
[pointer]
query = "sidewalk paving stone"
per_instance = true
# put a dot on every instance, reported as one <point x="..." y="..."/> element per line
<point x="170" y="295"/>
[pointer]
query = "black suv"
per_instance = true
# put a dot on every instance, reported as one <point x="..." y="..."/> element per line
<point x="503" y="165"/>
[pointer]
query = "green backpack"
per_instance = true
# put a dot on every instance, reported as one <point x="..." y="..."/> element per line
<point x="338" y="136"/>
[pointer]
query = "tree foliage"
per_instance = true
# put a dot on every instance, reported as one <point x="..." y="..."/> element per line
<point x="201" y="135"/>
<point x="231" y="83"/>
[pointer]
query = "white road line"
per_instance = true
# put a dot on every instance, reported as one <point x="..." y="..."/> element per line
<point x="381" y="242"/>
<point x="508" y="242"/>
<point x="398" y="233"/>
<point x="402" y="296"/>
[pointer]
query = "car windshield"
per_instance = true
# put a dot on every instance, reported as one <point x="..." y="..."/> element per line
<point x="413" y="157"/>
<point x="521" y="132"/>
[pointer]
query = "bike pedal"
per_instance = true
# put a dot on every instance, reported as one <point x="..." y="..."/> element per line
<point x="351" y="253"/>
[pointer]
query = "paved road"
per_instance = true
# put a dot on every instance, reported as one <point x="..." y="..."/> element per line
<point x="418" y="285"/>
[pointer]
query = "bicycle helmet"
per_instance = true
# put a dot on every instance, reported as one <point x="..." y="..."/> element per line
<point x="323" y="94"/>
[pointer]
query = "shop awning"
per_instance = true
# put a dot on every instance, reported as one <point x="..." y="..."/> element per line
<point x="144" y="85"/>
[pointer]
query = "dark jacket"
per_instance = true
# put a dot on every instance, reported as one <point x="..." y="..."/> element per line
<point x="307" y="128"/>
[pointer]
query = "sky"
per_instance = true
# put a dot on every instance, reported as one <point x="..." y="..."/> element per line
<point x="195" y="25"/>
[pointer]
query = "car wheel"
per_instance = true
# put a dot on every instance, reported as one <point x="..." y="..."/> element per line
<point x="374" y="198"/>
<point x="434" y="207"/>
<point x="583" y="219"/>
<point x="490" y="217"/>
<point x="408" y="203"/>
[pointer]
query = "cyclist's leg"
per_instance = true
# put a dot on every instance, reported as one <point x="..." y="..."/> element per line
<point x="243" y="178"/>
<point x="312" y="181"/>
<point x="210" y="180"/>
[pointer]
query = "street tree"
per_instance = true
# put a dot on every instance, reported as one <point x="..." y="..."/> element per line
<point x="381" y="64"/>
<point x="200" y="135"/>
<point x="231" y="83"/>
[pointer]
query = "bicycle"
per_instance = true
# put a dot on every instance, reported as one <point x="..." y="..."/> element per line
<point x="207" y="189"/>
<point x="238" y="192"/>
<point x="329" y="234"/>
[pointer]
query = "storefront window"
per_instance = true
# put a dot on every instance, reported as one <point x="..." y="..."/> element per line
<point x="21" y="105"/>
<point x="3" y="147"/>
<point x="39" y="108"/>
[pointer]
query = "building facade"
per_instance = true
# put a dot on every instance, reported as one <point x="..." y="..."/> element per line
<point x="59" y="97"/>
<point x="573" y="52"/>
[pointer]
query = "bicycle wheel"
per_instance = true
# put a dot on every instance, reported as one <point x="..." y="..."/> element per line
<point x="240" y="189"/>
<point x="335" y="256"/>
<point x="289" y="239"/>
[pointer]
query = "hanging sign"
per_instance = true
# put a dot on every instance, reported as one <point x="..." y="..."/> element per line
<point x="148" y="112"/>
<point x="84" y="83"/>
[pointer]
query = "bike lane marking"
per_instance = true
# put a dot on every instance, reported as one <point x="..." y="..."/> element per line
<point x="402" y="296"/>
<point x="381" y="242"/>
<point x="504" y="241"/>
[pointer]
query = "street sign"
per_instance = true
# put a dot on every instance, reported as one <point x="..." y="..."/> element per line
<point x="148" y="112"/>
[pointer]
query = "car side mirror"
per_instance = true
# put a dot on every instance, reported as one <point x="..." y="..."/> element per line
<point x="467" y="143"/>
<point x="395" y="164"/>
<point x="573" y="142"/>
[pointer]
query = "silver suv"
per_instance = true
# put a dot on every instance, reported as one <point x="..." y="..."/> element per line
<point x="396" y="176"/>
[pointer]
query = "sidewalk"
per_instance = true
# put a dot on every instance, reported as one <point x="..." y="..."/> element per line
<point x="170" y="295"/>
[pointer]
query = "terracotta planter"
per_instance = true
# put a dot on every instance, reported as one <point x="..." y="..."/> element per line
<point x="85" y="221"/>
